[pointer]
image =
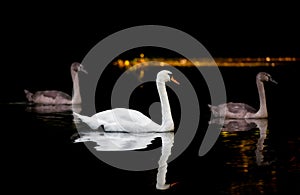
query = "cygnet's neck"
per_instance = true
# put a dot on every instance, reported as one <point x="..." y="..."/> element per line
<point x="262" y="112"/>
<point x="76" y="98"/>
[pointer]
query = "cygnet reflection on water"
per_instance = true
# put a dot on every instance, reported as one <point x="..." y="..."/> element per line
<point x="233" y="125"/>
<point x="58" y="108"/>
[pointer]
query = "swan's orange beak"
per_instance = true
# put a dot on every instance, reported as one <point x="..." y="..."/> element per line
<point x="175" y="81"/>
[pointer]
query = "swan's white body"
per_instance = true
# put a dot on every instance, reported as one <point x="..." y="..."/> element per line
<point x="128" y="120"/>
<point x="121" y="120"/>
<point x="242" y="110"/>
<point x="58" y="97"/>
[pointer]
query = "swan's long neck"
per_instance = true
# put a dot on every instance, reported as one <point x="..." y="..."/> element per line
<point x="76" y="98"/>
<point x="262" y="112"/>
<point x="167" y="120"/>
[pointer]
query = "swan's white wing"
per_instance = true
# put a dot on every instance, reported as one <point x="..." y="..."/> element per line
<point x="128" y="120"/>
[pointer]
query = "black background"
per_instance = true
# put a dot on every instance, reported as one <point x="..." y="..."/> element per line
<point x="39" y="43"/>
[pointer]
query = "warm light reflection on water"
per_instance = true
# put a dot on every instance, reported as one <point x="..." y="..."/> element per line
<point x="242" y="146"/>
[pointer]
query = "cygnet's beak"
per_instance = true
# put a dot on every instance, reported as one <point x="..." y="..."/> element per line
<point x="272" y="80"/>
<point x="82" y="69"/>
<point x="174" y="80"/>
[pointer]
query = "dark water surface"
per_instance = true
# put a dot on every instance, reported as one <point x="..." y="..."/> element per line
<point x="40" y="155"/>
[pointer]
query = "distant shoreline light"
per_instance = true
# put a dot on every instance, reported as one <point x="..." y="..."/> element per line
<point x="221" y="62"/>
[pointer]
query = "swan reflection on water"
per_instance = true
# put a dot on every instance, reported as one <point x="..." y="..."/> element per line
<point x="121" y="141"/>
<point x="233" y="125"/>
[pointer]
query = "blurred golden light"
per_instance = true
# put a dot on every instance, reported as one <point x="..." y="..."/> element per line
<point x="127" y="63"/>
<point x="120" y="63"/>
<point x="162" y="64"/>
<point x="142" y="62"/>
<point x="183" y="61"/>
<point x="141" y="74"/>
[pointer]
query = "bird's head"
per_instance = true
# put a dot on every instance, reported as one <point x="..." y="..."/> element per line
<point x="166" y="76"/>
<point x="263" y="76"/>
<point x="78" y="67"/>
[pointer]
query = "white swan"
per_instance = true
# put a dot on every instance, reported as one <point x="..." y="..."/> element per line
<point x="242" y="110"/>
<point x="59" y="97"/>
<point x="128" y="120"/>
